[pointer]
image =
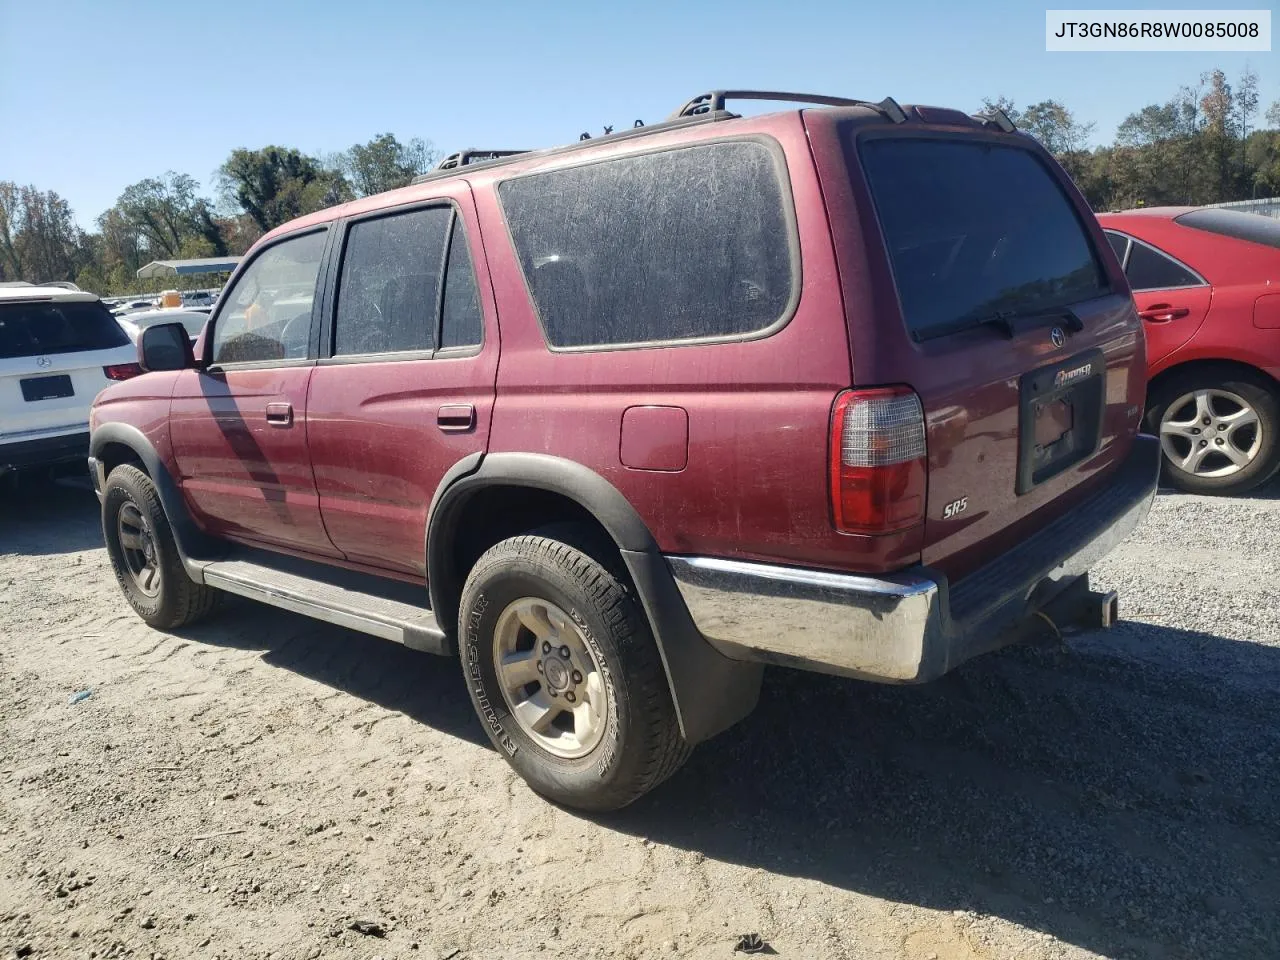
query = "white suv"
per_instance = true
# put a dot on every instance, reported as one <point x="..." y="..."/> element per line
<point x="58" y="349"/>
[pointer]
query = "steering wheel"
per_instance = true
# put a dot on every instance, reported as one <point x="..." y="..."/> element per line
<point x="291" y="327"/>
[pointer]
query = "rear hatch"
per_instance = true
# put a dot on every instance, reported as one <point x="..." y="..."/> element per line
<point x="1011" y="321"/>
<point x="53" y="359"/>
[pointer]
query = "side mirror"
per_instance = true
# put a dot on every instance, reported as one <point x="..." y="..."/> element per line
<point x="166" y="346"/>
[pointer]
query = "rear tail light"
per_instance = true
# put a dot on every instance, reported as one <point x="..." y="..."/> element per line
<point x="122" y="371"/>
<point x="878" y="466"/>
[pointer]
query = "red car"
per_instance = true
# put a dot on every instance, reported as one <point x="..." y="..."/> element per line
<point x="854" y="389"/>
<point x="1206" y="282"/>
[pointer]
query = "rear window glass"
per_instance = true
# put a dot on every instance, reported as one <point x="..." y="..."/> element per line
<point x="682" y="244"/>
<point x="975" y="228"/>
<point x="1232" y="223"/>
<point x="38" y="328"/>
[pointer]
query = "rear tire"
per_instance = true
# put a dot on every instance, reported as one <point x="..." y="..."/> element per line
<point x="565" y="675"/>
<point x="145" y="557"/>
<point x="1237" y="456"/>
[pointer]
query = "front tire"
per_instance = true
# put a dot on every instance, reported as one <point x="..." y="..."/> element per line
<point x="1219" y="430"/>
<point x="144" y="555"/>
<point x="565" y="675"/>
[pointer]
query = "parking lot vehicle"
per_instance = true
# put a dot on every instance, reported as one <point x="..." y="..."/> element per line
<point x="853" y="389"/>
<point x="1207" y="285"/>
<point x="58" y="348"/>
<point x="192" y="318"/>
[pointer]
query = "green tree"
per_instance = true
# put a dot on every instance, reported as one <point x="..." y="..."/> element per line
<point x="384" y="163"/>
<point x="275" y="184"/>
<point x="167" y="215"/>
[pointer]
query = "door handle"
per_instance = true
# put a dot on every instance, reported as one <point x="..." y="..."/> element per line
<point x="456" y="417"/>
<point x="1163" y="313"/>
<point x="280" y="414"/>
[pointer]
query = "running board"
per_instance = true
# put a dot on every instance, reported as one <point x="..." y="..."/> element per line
<point x="344" y="598"/>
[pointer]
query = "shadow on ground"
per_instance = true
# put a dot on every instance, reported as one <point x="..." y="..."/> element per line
<point x="41" y="516"/>
<point x="1121" y="794"/>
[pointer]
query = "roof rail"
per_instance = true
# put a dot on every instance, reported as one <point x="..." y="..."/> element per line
<point x="473" y="155"/>
<point x="714" y="101"/>
<point x="995" y="117"/>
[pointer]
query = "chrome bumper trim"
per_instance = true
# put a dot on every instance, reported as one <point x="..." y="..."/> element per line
<point x="900" y="628"/>
<point x="855" y="625"/>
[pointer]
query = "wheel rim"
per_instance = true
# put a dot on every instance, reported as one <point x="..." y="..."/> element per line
<point x="138" y="545"/>
<point x="549" y="678"/>
<point x="1211" y="433"/>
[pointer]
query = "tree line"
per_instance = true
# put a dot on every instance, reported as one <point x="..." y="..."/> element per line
<point x="167" y="217"/>
<point x="1210" y="142"/>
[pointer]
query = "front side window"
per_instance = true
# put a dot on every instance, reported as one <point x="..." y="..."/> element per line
<point x="975" y="229"/>
<point x="1149" y="269"/>
<point x="389" y="287"/>
<point x="266" y="315"/>
<point x="685" y="244"/>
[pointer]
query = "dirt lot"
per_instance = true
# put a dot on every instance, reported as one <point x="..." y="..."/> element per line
<point x="261" y="784"/>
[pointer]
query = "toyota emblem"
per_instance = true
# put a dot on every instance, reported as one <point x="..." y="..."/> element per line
<point x="43" y="362"/>
<point x="1057" y="336"/>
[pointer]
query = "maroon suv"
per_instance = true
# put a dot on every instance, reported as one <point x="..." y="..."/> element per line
<point x="854" y="389"/>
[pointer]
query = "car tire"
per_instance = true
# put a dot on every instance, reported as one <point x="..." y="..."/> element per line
<point x="145" y="557"/>
<point x="1177" y="406"/>
<point x="546" y="628"/>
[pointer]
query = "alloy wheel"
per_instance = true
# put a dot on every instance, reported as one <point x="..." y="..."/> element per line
<point x="1211" y="433"/>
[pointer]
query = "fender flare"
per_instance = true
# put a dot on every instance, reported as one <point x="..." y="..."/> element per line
<point x="710" y="691"/>
<point x="190" y="539"/>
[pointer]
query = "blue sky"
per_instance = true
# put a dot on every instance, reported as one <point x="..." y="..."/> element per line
<point x="97" y="95"/>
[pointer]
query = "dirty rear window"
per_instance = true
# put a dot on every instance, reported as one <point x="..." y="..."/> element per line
<point x="677" y="245"/>
<point x="38" y="328"/>
<point x="976" y="228"/>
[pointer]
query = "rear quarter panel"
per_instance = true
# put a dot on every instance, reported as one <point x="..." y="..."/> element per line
<point x="755" y="484"/>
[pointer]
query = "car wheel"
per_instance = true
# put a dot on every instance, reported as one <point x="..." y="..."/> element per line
<point x="565" y="675"/>
<point x="144" y="555"/>
<point x="1219" y="430"/>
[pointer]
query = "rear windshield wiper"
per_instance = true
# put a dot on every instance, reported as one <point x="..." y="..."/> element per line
<point x="1009" y="322"/>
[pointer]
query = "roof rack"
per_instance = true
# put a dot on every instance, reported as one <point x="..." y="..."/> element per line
<point x="995" y="117"/>
<point x="473" y="155"/>
<point x="714" y="101"/>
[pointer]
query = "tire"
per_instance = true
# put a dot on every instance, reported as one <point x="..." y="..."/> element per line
<point x="160" y="592"/>
<point x="569" y="595"/>
<point x="1175" y="408"/>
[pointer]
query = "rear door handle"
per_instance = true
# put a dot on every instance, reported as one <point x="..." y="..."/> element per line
<point x="280" y="414"/>
<point x="1163" y="313"/>
<point x="456" y="417"/>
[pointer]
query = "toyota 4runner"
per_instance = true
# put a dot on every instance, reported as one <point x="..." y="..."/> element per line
<point x="853" y="388"/>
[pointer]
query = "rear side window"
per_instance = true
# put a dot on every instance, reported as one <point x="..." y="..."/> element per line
<point x="461" y="324"/>
<point x="1119" y="244"/>
<point x="683" y="244"/>
<point x="389" y="288"/>
<point x="975" y="228"/>
<point x="38" y="328"/>
<point x="1233" y="223"/>
<point x="1149" y="269"/>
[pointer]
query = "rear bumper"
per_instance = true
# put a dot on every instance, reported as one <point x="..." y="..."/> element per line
<point x="914" y="626"/>
<point x="43" y="451"/>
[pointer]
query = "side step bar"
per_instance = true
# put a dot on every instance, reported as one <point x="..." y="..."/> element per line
<point x="355" y="601"/>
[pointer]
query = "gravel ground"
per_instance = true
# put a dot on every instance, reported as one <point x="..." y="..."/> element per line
<point x="265" y="786"/>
